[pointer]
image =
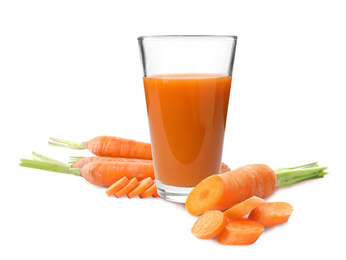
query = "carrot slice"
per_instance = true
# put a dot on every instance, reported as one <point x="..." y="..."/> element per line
<point x="142" y="186"/>
<point x="240" y="232"/>
<point x="209" y="224"/>
<point x="272" y="213"/>
<point x="156" y="195"/>
<point x="148" y="192"/>
<point x="116" y="186"/>
<point x="133" y="183"/>
<point x="242" y="208"/>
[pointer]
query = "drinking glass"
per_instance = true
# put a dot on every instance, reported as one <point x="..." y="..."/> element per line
<point x="187" y="81"/>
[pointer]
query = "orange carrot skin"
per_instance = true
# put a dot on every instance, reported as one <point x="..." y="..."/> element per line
<point x="247" y="181"/>
<point x="156" y="195"/>
<point x="241" y="209"/>
<point x="80" y="163"/>
<point x="209" y="224"/>
<point x="224" y="168"/>
<point x="119" y="147"/>
<point x="106" y="173"/>
<point x="222" y="191"/>
<point x="271" y="213"/>
<point x="240" y="232"/>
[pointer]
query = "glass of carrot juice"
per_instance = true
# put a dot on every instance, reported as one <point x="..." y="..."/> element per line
<point x="187" y="82"/>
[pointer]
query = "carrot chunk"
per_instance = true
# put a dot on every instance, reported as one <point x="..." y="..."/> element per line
<point x="271" y="213"/>
<point x="149" y="192"/>
<point x="142" y="186"/>
<point x="116" y="186"/>
<point x="240" y="232"/>
<point x="133" y="183"/>
<point x="209" y="224"/>
<point x="156" y="195"/>
<point x="242" y="208"/>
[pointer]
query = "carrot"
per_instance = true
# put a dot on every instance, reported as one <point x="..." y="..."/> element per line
<point x="271" y="213"/>
<point x="133" y="183"/>
<point x="156" y="195"/>
<point x="116" y="186"/>
<point x="79" y="162"/>
<point x="224" y="168"/>
<point x="241" y="209"/>
<point x="142" y="186"/>
<point x="109" y="146"/>
<point x="85" y="160"/>
<point x="149" y="192"/>
<point x="98" y="173"/>
<point x="209" y="225"/>
<point x="240" y="232"/>
<point x="222" y="191"/>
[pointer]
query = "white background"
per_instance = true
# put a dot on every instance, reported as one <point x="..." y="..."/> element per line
<point x="71" y="69"/>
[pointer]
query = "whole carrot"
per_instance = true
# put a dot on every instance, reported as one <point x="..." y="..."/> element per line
<point x="98" y="173"/>
<point x="221" y="191"/>
<point x="109" y="146"/>
<point x="85" y="160"/>
<point x="79" y="162"/>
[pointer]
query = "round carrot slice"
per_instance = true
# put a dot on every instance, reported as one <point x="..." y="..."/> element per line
<point x="142" y="186"/>
<point x="116" y="186"/>
<point x="240" y="232"/>
<point x="156" y="195"/>
<point x="272" y="213"/>
<point x="209" y="225"/>
<point x="148" y="192"/>
<point x="242" y="208"/>
<point x="133" y="183"/>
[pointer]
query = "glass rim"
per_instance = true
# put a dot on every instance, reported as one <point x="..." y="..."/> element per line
<point x="162" y="37"/>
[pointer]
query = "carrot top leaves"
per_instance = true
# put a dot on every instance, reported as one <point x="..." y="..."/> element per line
<point x="66" y="144"/>
<point x="48" y="164"/>
<point x="292" y="175"/>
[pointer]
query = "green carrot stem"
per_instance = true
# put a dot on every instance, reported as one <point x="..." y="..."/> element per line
<point x="67" y="144"/>
<point x="42" y="158"/>
<point x="292" y="175"/>
<point x="49" y="166"/>
<point x="309" y="165"/>
<point x="74" y="159"/>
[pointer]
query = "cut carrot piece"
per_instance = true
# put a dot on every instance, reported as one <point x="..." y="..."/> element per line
<point x="242" y="208"/>
<point x="222" y="191"/>
<point x="224" y="168"/>
<point x="156" y="195"/>
<point x="142" y="186"/>
<point x="116" y="186"/>
<point x="240" y="232"/>
<point x="149" y="192"/>
<point x="209" y="225"/>
<point x="271" y="213"/>
<point x="133" y="183"/>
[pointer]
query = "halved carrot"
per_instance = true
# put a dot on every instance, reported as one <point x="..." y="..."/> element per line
<point x="116" y="186"/>
<point x="222" y="191"/>
<point x="149" y="192"/>
<point x="271" y="213"/>
<point x="130" y="186"/>
<point x="242" y="208"/>
<point x="142" y="186"/>
<point x="209" y="224"/>
<point x="240" y="232"/>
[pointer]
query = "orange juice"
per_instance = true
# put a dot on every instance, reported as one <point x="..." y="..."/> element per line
<point x="187" y="118"/>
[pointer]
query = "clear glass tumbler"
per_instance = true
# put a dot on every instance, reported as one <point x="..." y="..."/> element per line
<point x="187" y="81"/>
